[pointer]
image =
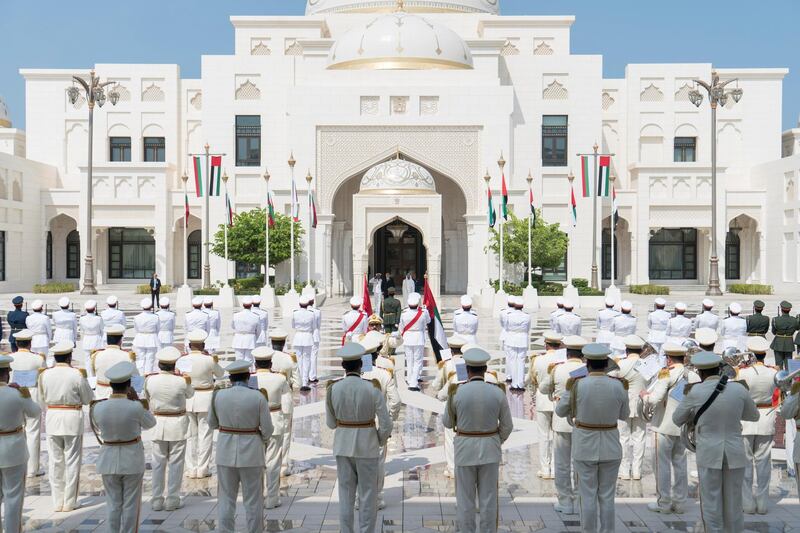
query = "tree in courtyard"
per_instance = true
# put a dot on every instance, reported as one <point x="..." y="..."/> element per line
<point x="548" y="243"/>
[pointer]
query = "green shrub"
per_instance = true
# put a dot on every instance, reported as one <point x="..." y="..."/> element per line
<point x="542" y="287"/>
<point x="550" y="289"/>
<point x="749" y="288"/>
<point x="206" y="292"/>
<point x="580" y="282"/>
<point x="145" y="289"/>
<point x="588" y="291"/>
<point x="281" y="289"/>
<point x="55" y="287"/>
<point x="657" y="290"/>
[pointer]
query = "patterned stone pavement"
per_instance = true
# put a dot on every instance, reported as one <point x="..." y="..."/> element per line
<point x="419" y="497"/>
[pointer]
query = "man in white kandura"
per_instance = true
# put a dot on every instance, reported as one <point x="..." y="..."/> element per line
<point x="214" y="325"/>
<point x="166" y="323"/>
<point x="196" y="319"/>
<point x="657" y="322"/>
<point x="465" y="321"/>
<point x="605" y="317"/>
<point x="544" y="405"/>
<point x="41" y="327"/>
<point x="65" y="323"/>
<point x="112" y="315"/>
<point x="104" y="359"/>
<point x="569" y="323"/>
<point x="354" y="321"/>
<point x="632" y="430"/>
<point x="27" y="361"/>
<point x="412" y="327"/>
<point x="518" y="330"/>
<point x="734" y="329"/>
<point x="478" y="412"/>
<point x="304" y="322"/>
<point x="145" y="341"/>
<point x="352" y="406"/>
<point x="246" y="327"/>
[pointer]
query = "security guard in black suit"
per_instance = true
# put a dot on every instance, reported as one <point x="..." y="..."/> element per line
<point x="757" y="323"/>
<point x="783" y="327"/>
<point x="16" y="321"/>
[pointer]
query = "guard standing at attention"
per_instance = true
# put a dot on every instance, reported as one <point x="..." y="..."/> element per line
<point x="27" y="361"/>
<point x="199" y="319"/>
<point x="757" y="323"/>
<point x="16" y="321"/>
<point x="354" y="322"/>
<point x="214" y="325"/>
<point x="166" y="323"/>
<point x="145" y="342"/>
<point x="390" y="311"/>
<point x="246" y="327"/>
<point x="304" y="323"/>
<point x="413" y="325"/>
<point x="633" y="430"/>
<point x="544" y="405"/>
<point x="784" y="327"/>
<point x="112" y="315"/>
<point x="41" y="326"/>
<point x="465" y="321"/>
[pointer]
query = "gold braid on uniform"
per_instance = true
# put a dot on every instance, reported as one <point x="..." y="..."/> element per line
<point x="264" y="394"/>
<point x="92" y="422"/>
<point x="663" y="373"/>
<point x="83" y="372"/>
<point x="451" y="393"/>
<point x="188" y="379"/>
<point x="624" y="382"/>
<point x="24" y="392"/>
<point x="687" y="388"/>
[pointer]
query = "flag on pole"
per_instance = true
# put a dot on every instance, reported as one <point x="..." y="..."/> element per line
<point x="270" y="210"/>
<point x="295" y="204"/>
<point x="435" y="329"/>
<point x="586" y="181"/>
<point x="312" y="210"/>
<point x="185" y="210"/>
<point x="198" y="176"/>
<point x="603" y="179"/>
<point x="366" y="303"/>
<point x="215" y="180"/>
<point x="492" y="212"/>
<point x="229" y="209"/>
<point x="504" y="204"/>
<point x="533" y="206"/>
<point x="614" y="207"/>
<point x="573" y="211"/>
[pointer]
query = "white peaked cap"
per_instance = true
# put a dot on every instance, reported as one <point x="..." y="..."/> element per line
<point x="707" y="302"/>
<point x="247" y="301"/>
<point x="121" y="372"/>
<point x="197" y="301"/>
<point x="164" y="301"/>
<point x="627" y="306"/>
<point x="680" y="306"/>
<point x="146" y="303"/>
<point x="37" y="305"/>
<point x="89" y="305"/>
<point x="112" y="300"/>
<point x="466" y="301"/>
<point x="568" y="304"/>
<point x="660" y="301"/>
<point x="414" y="299"/>
<point x="256" y="299"/>
<point x="560" y="300"/>
<point x="356" y="301"/>
<point x="735" y="308"/>
<point x="63" y="302"/>
<point x="610" y="302"/>
<point x="197" y="335"/>
<point x="208" y="300"/>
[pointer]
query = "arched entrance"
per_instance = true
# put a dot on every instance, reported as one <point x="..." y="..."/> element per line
<point x="398" y="249"/>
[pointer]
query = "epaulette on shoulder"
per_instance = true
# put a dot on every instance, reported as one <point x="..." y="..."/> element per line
<point x="215" y="359"/>
<point x="796" y="388"/>
<point x="332" y="382"/>
<point x="145" y="404"/>
<point x="552" y="366"/>
<point x="95" y="402"/>
<point x="501" y="386"/>
<point x="264" y="394"/>
<point x="773" y="367"/>
<point x="188" y="379"/>
<point x="440" y="364"/>
<point x="687" y="388"/>
<point x="663" y="373"/>
<point x="42" y="370"/>
<point x="571" y="382"/>
<point x="132" y="355"/>
<point x="624" y="382"/>
<point x="84" y="375"/>
<point x="492" y="372"/>
<point x="294" y="357"/>
<point x="393" y="359"/>
<point x="742" y="383"/>
<point x="24" y="392"/>
<point x="452" y="389"/>
<point x="375" y="383"/>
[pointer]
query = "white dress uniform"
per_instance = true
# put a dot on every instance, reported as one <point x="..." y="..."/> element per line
<point x="65" y="323"/>
<point x="734" y="332"/>
<point x="544" y="412"/>
<point x="352" y="406"/>
<point x="25" y="360"/>
<point x="672" y="482"/>
<point x="568" y="324"/>
<point x="518" y="329"/>
<point x="554" y="318"/>
<point x="304" y="323"/>
<point x="605" y="317"/>
<point x="92" y="335"/>
<point x="194" y="320"/>
<point x="145" y="341"/>
<point x="679" y="328"/>
<point x="446" y="376"/>
<point x="791" y="410"/>
<point x="706" y="319"/>
<point x="245" y="426"/>
<point x="112" y="315"/>
<point x="205" y="370"/>
<point x="632" y="430"/>
<point x="64" y="390"/>
<point x="287" y="364"/>
<point x="621" y="327"/>
<point x="354" y="324"/>
<point x="503" y="316"/>
<point x="167" y="394"/>
<point x="263" y="325"/>
<point x="758" y="436"/>
<point x="119" y="423"/>
<point x="465" y="325"/>
<point x="412" y="327"/>
<point x="15" y="407"/>
<point x="214" y="329"/>
<point x="312" y="369"/>
<point x="720" y="450"/>
<point x="246" y="327"/>
<point x="597" y="402"/>
<point x="479" y="414"/>
<point x="103" y="360"/>
<point x="40" y="326"/>
<point x="166" y="327"/>
<point x="657" y="323"/>
<point x="279" y="395"/>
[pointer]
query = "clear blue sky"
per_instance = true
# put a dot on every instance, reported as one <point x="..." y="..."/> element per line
<point x="63" y="34"/>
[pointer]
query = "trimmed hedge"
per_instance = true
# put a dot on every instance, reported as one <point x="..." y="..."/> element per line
<point x="749" y="288"/>
<point x="55" y="287"/>
<point x="543" y="288"/>
<point x="206" y="292"/>
<point x="579" y="283"/>
<point x="656" y="290"/>
<point x="145" y="289"/>
<point x="588" y="291"/>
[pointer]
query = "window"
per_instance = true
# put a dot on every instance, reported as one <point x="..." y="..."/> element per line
<point x="556" y="274"/>
<point x="2" y="255"/>
<point x="193" y="252"/>
<point x="49" y="255"/>
<point x="131" y="253"/>
<point x="685" y="149"/>
<point x="606" y="270"/>
<point x="673" y="254"/>
<point x="73" y="255"/>
<point x="732" y="256"/>
<point x="247" y="271"/>
<point x="554" y="140"/>
<point x="248" y="140"/>
<point x="154" y="149"/>
<point x="120" y="149"/>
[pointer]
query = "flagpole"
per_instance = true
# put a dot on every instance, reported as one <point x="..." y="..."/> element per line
<point x="488" y="178"/>
<point x="291" y="226"/>
<point x="310" y="215"/>
<point x="206" y="213"/>
<point x="266" y="233"/>
<point x="184" y="179"/>
<point x="571" y="178"/>
<point x="613" y="226"/>
<point x="227" y="219"/>
<point x="530" y="217"/>
<point x="595" y="284"/>
<point x="501" y="163"/>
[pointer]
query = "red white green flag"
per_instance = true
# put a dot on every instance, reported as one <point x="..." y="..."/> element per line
<point x="603" y="176"/>
<point x="312" y="210"/>
<point x="270" y="210"/>
<point x="492" y="212"/>
<point x="215" y="180"/>
<point x="614" y="207"/>
<point x="198" y="176"/>
<point x="435" y="329"/>
<point x="533" y="206"/>
<point x="586" y="180"/>
<point x="573" y="211"/>
<point x="366" y="303"/>
<point x="229" y="209"/>
<point x="504" y="202"/>
<point x="185" y="210"/>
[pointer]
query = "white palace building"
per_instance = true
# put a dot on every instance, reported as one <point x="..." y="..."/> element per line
<point x="398" y="113"/>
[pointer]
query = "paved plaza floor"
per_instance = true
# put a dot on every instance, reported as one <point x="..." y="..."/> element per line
<point x="418" y="495"/>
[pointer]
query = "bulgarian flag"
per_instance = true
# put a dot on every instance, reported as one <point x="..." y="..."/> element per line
<point x="198" y="177"/>
<point x="185" y="210"/>
<point x="366" y="303"/>
<point x="603" y="172"/>
<point x="504" y="203"/>
<point x="492" y="212"/>
<point x="215" y="180"/>
<point x="229" y="209"/>
<point x="586" y="180"/>
<point x="614" y="207"/>
<point x="312" y="210"/>
<point x="533" y="207"/>
<point x="270" y="210"/>
<point x="435" y="329"/>
<point x="573" y="211"/>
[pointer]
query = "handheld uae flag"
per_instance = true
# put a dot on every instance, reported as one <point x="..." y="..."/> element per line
<point x="614" y="207"/>
<point x="215" y="180"/>
<point x="229" y="209"/>
<point x="295" y="204"/>
<point x="270" y="210"/>
<point x="198" y="176"/>
<point x="435" y="329"/>
<point x="366" y="303"/>
<point x="312" y="210"/>
<point x="603" y="181"/>
<point x="504" y="201"/>
<point x="573" y="207"/>
<point x="185" y="210"/>
<point x="586" y="181"/>
<point x="492" y="213"/>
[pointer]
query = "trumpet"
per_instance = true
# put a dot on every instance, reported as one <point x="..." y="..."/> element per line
<point x="783" y="380"/>
<point x="732" y="359"/>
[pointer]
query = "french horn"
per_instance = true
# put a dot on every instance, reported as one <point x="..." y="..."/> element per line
<point x="689" y="430"/>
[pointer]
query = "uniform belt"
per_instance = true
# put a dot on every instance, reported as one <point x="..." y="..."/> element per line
<point x="164" y="413"/>
<point x="66" y="407"/>
<point x="355" y="425"/>
<point x="785" y="336"/>
<point x="754" y="334"/>
<point x="275" y="409"/>
<point x="204" y="388"/>
<point x="122" y="442"/>
<point x="462" y="433"/>
<point x="239" y="431"/>
<point x="595" y="427"/>
<point x="764" y="405"/>
<point x="11" y="432"/>
<point x="103" y="383"/>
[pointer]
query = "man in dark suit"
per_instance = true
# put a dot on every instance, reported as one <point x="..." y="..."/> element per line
<point x="386" y="283"/>
<point x="155" y="289"/>
<point x="757" y="323"/>
<point x="16" y="321"/>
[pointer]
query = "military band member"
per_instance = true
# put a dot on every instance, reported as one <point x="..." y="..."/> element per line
<point x="27" y="361"/>
<point x="145" y="341"/>
<point x="102" y="360"/>
<point x="64" y="390"/>
<point x="279" y="396"/>
<point x="632" y="430"/>
<point x="112" y="315"/>
<point x="246" y="328"/>
<point x="621" y="327"/>
<point x="118" y="423"/>
<point x="65" y="323"/>
<point x="245" y="427"/>
<point x="352" y="406"/>
<point x="413" y="325"/>
<point x="304" y="323"/>
<point x="205" y="370"/>
<point x="354" y="322"/>
<point x="199" y="319"/>
<point x="39" y="323"/>
<point x="446" y="375"/>
<point x="478" y="413"/>
<point x="465" y="321"/>
<point x="657" y="322"/>
<point x="166" y="323"/>
<point x="390" y="311"/>
<point x="720" y="448"/>
<point x="167" y="392"/>
<point x="558" y="374"/>
<point x="15" y="407"/>
<point x="285" y="362"/>
<point x="16" y="320"/>
<point x="597" y="403"/>
<point x="707" y="339"/>
<point x="569" y="323"/>
<point x="518" y="330"/>
<point x="757" y="323"/>
<point x="672" y="482"/>
<point x="605" y="317"/>
<point x="544" y="406"/>
<point x="758" y="436"/>
<point x="214" y="325"/>
<point x="734" y="329"/>
<point x="784" y="327"/>
<point x="557" y="312"/>
<point x="312" y="369"/>
<point x="791" y="410"/>
<point x="679" y="328"/>
<point x="263" y="321"/>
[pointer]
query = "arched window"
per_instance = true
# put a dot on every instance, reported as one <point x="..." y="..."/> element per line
<point x="49" y="255"/>
<point x="732" y="255"/>
<point x="193" y="251"/>
<point x="73" y="255"/>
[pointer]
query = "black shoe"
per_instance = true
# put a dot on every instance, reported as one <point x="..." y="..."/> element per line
<point x="314" y="381"/>
<point x="508" y="380"/>
<point x="305" y="389"/>
<point x="414" y="389"/>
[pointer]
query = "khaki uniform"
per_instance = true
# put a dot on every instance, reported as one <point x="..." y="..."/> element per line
<point x="632" y="430"/>
<point x="352" y="406"/>
<point x="245" y="426"/>
<point x="102" y="361"/>
<point x="64" y="390"/>
<point x="205" y="369"/>
<point x="758" y="436"/>
<point x="287" y="364"/>
<point x="597" y="402"/>
<point x="445" y="377"/>
<point x="478" y="412"/>
<point x="383" y="372"/>
<point x="544" y="412"/>
<point x="791" y="410"/>
<point x="25" y="360"/>
<point x="279" y="394"/>
<point x="672" y="482"/>
<point x="118" y="423"/>
<point x="720" y="450"/>
<point x="16" y="407"/>
<point x="167" y="394"/>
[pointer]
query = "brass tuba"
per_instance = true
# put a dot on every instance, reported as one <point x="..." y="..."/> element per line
<point x="783" y="380"/>
<point x="732" y="359"/>
<point x="689" y="431"/>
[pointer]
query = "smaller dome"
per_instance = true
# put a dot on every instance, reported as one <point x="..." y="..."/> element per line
<point x="397" y="175"/>
<point x="5" y="120"/>
<point x="400" y="41"/>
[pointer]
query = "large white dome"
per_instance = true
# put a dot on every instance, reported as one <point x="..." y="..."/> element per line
<point x="5" y="120"/>
<point x="399" y="41"/>
<point x="314" y="7"/>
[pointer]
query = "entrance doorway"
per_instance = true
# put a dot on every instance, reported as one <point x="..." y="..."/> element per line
<point x="398" y="249"/>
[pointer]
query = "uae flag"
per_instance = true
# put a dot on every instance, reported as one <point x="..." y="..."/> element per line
<point x="229" y="209"/>
<point x="435" y="329"/>
<point x="270" y="210"/>
<point x="185" y="210"/>
<point x="573" y="207"/>
<point x="603" y="181"/>
<point x="366" y="303"/>
<point x="492" y="212"/>
<point x="215" y="181"/>
<point x="504" y="203"/>
<point x="586" y="180"/>
<point x="312" y="210"/>
<point x="198" y="177"/>
<point x="614" y="207"/>
<point x="533" y="207"/>
<point x="295" y="204"/>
